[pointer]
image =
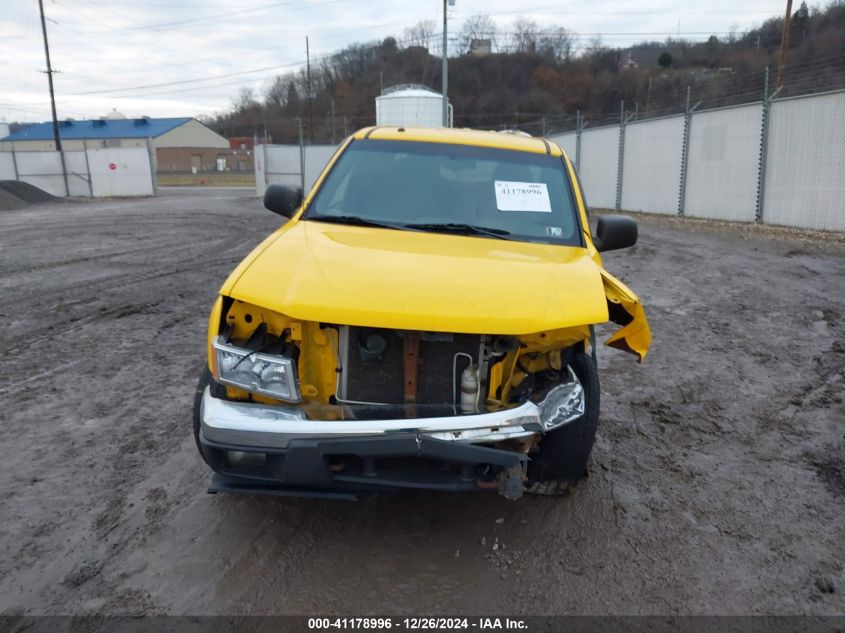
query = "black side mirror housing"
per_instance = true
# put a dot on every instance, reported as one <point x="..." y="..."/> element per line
<point x="615" y="231"/>
<point x="282" y="200"/>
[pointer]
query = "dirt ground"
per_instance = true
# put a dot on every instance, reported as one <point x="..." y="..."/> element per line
<point x="717" y="485"/>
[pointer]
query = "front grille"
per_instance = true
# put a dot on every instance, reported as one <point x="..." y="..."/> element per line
<point x="381" y="379"/>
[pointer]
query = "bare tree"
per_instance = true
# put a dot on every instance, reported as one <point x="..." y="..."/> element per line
<point x="557" y="44"/>
<point x="524" y="35"/>
<point x="245" y="101"/>
<point x="278" y="93"/>
<point x="420" y="34"/>
<point x="476" y="27"/>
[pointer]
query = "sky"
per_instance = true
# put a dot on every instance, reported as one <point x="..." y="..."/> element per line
<point x="192" y="57"/>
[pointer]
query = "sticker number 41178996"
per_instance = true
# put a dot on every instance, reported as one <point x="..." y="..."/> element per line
<point x="522" y="196"/>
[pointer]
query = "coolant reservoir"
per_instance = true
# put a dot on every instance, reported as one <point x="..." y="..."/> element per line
<point x="469" y="388"/>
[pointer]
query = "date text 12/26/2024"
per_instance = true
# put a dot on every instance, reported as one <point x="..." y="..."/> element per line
<point x="417" y="624"/>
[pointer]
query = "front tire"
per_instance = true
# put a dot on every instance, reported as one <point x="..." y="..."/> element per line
<point x="563" y="455"/>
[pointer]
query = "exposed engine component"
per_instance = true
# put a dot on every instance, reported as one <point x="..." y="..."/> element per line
<point x="469" y="388"/>
<point x="504" y="345"/>
<point x="375" y="365"/>
<point x="372" y="348"/>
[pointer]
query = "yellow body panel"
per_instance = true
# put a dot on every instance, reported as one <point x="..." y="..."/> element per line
<point x="458" y="136"/>
<point x="635" y="337"/>
<point x="423" y="281"/>
<point x="307" y="273"/>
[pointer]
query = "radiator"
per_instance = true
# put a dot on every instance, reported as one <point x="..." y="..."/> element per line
<point x="381" y="379"/>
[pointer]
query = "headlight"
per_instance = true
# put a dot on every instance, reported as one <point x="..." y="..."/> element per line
<point x="563" y="404"/>
<point x="273" y="376"/>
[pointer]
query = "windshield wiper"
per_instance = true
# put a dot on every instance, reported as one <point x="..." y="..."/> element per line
<point x="466" y="229"/>
<point x="354" y="219"/>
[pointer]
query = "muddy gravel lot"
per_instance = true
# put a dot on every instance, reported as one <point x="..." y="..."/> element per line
<point x="717" y="484"/>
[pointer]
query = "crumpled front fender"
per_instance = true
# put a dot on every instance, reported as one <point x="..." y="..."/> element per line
<point x="626" y="310"/>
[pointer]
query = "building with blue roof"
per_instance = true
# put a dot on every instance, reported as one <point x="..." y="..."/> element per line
<point x="180" y="143"/>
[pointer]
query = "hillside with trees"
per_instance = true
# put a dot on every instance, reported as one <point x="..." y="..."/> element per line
<point x="536" y="78"/>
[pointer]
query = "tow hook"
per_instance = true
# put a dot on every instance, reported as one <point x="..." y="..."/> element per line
<point x="512" y="482"/>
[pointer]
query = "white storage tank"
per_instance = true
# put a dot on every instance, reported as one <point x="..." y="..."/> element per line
<point x="411" y="106"/>
<point x="4" y="129"/>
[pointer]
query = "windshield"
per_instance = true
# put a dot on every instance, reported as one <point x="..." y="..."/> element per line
<point x="464" y="189"/>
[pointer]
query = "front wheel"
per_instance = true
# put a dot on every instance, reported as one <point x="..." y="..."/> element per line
<point x="563" y="454"/>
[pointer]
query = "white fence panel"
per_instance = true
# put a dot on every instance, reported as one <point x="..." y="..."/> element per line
<point x="724" y="153"/>
<point x="805" y="164"/>
<point x="599" y="166"/>
<point x="651" y="171"/>
<point x="316" y="158"/>
<point x="7" y="166"/>
<point x="260" y="167"/>
<point x="121" y="172"/>
<point x="77" y="174"/>
<point x="280" y="165"/>
<point x="567" y="142"/>
<point x="43" y="170"/>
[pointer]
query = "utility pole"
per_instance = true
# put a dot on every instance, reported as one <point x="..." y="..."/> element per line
<point x="445" y="77"/>
<point x="56" y="137"/>
<point x="301" y="156"/>
<point x="308" y="80"/>
<point x="784" y="43"/>
<point x="333" y="121"/>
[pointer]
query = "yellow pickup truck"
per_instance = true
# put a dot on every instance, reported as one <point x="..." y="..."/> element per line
<point x="422" y="320"/>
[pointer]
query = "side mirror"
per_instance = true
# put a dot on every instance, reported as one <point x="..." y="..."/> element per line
<point x="615" y="231"/>
<point x="282" y="200"/>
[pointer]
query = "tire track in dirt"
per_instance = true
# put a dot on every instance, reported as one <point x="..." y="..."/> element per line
<point x="715" y="484"/>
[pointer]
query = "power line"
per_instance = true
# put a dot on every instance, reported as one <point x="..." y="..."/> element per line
<point x="186" y="81"/>
<point x="203" y="79"/>
<point x="294" y="4"/>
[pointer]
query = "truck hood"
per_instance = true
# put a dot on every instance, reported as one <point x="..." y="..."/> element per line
<point x="413" y="280"/>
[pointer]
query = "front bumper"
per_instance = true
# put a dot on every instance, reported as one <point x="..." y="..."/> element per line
<point x="315" y="449"/>
<point x="309" y="467"/>
<point x="280" y="450"/>
<point x="274" y="426"/>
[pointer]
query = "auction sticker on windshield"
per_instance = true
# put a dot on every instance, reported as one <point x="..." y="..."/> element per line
<point x="522" y="196"/>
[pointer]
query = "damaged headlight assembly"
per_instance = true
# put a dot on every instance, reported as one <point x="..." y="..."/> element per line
<point x="563" y="403"/>
<point x="265" y="374"/>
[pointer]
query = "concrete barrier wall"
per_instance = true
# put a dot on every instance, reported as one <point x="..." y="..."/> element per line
<point x="42" y="170"/>
<point x="724" y="154"/>
<point x="798" y="146"/>
<point x="652" y="165"/>
<point x="599" y="153"/>
<point x="121" y="172"/>
<point x="803" y="184"/>
<point x="93" y="172"/>
<point x="281" y="165"/>
<point x="567" y="142"/>
<point x="316" y="158"/>
<point x="805" y="170"/>
<point x="7" y="166"/>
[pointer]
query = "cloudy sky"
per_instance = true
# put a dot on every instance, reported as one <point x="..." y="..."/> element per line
<point x="191" y="57"/>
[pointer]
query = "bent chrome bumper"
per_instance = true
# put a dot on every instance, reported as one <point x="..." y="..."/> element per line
<point x="274" y="426"/>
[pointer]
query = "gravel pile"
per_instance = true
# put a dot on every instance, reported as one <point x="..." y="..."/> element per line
<point x="15" y="194"/>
